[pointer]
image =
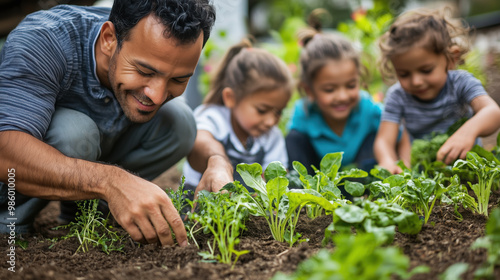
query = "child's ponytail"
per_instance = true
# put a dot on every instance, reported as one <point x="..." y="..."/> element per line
<point x="314" y="27"/>
<point x="214" y="96"/>
<point x="319" y="48"/>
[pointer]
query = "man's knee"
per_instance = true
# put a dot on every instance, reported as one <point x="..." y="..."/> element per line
<point x="74" y="134"/>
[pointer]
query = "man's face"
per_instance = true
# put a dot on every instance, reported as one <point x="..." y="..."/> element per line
<point x="150" y="70"/>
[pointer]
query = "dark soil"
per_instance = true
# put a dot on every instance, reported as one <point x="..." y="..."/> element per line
<point x="441" y="243"/>
<point x="444" y="241"/>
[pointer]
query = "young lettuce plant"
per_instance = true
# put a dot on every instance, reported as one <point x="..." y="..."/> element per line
<point x="273" y="200"/>
<point x="224" y="218"/>
<point x="377" y="217"/>
<point x="358" y="256"/>
<point x="486" y="171"/>
<point x="420" y="194"/>
<point x="490" y="242"/>
<point x="456" y="195"/>
<point x="327" y="179"/>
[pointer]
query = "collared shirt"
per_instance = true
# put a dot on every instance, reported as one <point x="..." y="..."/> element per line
<point x="363" y="120"/>
<point x="48" y="61"/>
<point x="421" y="118"/>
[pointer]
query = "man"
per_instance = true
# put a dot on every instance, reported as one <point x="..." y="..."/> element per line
<point x="86" y="94"/>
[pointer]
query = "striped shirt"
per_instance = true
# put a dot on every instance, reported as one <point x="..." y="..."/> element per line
<point x="48" y="61"/>
<point x="422" y="118"/>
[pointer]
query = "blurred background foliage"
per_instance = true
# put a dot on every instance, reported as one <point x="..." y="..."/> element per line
<point x="273" y="25"/>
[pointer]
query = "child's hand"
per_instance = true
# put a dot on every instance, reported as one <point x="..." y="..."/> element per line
<point x="392" y="167"/>
<point x="456" y="147"/>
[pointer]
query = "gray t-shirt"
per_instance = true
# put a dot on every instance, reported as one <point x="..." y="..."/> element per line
<point x="264" y="149"/>
<point x="421" y="118"/>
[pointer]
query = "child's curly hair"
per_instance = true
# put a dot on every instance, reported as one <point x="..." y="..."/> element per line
<point x="433" y="29"/>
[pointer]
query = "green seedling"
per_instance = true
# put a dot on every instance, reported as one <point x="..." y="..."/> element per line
<point x="486" y="171"/>
<point x="273" y="200"/>
<point x="355" y="257"/>
<point x="490" y="242"/>
<point x="224" y="218"/>
<point x="420" y="194"/>
<point x="327" y="179"/>
<point x="92" y="230"/>
<point x="377" y="217"/>
<point x="179" y="197"/>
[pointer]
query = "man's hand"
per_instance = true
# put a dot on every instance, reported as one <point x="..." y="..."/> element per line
<point x="142" y="208"/>
<point x="145" y="211"/>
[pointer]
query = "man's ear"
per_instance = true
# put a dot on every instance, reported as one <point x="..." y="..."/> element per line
<point x="108" y="42"/>
<point x="229" y="97"/>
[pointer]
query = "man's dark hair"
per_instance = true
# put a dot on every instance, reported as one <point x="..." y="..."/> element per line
<point x="184" y="19"/>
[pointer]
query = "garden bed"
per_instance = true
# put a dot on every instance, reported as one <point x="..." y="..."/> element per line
<point x="442" y="242"/>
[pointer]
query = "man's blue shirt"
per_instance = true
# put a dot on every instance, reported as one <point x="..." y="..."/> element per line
<point x="363" y="121"/>
<point x="49" y="61"/>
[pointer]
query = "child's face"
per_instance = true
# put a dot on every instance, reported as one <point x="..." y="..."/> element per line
<point x="258" y="112"/>
<point x="335" y="89"/>
<point x="421" y="72"/>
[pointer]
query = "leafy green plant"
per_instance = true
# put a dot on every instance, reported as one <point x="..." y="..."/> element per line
<point x="389" y="188"/>
<point x="490" y="242"/>
<point x="327" y="179"/>
<point x="486" y="171"/>
<point x="224" y="218"/>
<point x="424" y="151"/>
<point x="355" y="257"/>
<point x="91" y="229"/>
<point x="179" y="197"/>
<point x="454" y="271"/>
<point x="420" y="194"/>
<point x="22" y="243"/>
<point x="273" y="200"/>
<point x="377" y="217"/>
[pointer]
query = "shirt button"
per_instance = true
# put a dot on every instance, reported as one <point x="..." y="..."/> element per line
<point x="106" y="100"/>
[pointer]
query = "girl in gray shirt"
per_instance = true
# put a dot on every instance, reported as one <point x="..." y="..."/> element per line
<point x="419" y="50"/>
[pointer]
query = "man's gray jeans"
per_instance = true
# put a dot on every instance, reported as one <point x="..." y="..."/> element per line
<point x="145" y="149"/>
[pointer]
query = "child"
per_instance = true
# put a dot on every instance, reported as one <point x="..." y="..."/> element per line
<point x="242" y="108"/>
<point x="335" y="115"/>
<point x="420" y="48"/>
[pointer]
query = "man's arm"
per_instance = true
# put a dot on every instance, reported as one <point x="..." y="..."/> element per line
<point x="208" y="157"/>
<point x="44" y="172"/>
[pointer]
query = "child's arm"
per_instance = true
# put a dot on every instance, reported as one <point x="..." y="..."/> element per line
<point x="485" y="121"/>
<point x="403" y="148"/>
<point x="385" y="146"/>
<point x="208" y="157"/>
